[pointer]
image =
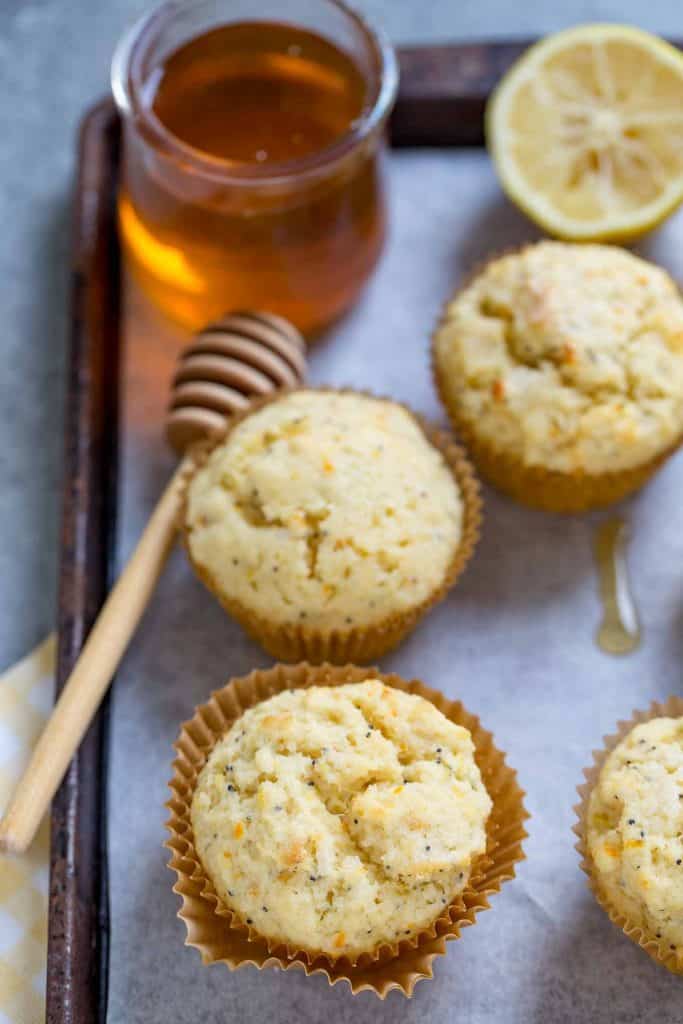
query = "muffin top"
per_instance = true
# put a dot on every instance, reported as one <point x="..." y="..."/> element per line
<point x="338" y="818"/>
<point x="635" y="829"/>
<point x="567" y="357"/>
<point x="325" y="509"/>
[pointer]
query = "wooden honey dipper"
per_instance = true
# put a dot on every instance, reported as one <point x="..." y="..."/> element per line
<point x="231" y="362"/>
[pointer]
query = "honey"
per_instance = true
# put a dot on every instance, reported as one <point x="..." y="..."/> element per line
<point x="619" y="632"/>
<point x="248" y="180"/>
<point x="259" y="93"/>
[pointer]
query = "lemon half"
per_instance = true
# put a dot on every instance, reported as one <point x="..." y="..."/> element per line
<point x="586" y="132"/>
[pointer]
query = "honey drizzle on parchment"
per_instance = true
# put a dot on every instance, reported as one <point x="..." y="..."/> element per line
<point x="619" y="632"/>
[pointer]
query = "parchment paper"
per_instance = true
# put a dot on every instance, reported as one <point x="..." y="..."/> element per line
<point x="514" y="642"/>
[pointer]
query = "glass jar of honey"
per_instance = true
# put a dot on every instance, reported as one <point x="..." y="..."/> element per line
<point x="251" y="173"/>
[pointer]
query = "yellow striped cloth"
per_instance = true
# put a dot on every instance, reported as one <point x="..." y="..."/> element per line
<point x="26" y="692"/>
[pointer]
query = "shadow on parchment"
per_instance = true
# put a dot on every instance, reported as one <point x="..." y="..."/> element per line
<point x="593" y="973"/>
<point x="495" y="228"/>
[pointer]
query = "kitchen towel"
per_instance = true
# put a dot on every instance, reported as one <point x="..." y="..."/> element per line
<point x="26" y="693"/>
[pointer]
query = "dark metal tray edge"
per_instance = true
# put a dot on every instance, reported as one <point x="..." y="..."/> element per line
<point x="78" y="927"/>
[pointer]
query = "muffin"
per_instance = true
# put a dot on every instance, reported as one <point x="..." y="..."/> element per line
<point x="337" y="819"/>
<point x="561" y="366"/>
<point x="632" y="834"/>
<point x="328" y="522"/>
<point x="364" y="817"/>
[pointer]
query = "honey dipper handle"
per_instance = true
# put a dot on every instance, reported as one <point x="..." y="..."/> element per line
<point x="92" y="673"/>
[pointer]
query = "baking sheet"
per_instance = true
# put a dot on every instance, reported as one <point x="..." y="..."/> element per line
<point x="514" y="641"/>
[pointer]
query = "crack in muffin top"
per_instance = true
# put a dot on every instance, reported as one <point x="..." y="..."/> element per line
<point x="567" y="357"/>
<point x="335" y="819"/>
<point x="333" y="508"/>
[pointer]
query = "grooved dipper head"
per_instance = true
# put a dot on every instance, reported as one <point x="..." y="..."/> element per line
<point x="230" y="362"/>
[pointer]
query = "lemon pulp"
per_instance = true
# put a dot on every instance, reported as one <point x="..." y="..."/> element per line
<point x="586" y="131"/>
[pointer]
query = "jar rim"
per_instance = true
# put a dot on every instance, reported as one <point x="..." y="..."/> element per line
<point x="126" y="84"/>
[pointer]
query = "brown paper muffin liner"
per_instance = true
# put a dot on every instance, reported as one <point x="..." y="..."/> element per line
<point x="360" y="644"/>
<point x="547" y="489"/>
<point x="673" y="708"/>
<point x="221" y="936"/>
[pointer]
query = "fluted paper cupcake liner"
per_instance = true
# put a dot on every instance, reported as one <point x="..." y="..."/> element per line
<point x="547" y="489"/>
<point x="293" y="642"/>
<point x="673" y="708"/>
<point x="221" y="936"/>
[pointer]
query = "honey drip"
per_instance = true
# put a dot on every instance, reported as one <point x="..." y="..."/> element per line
<point x="619" y="632"/>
